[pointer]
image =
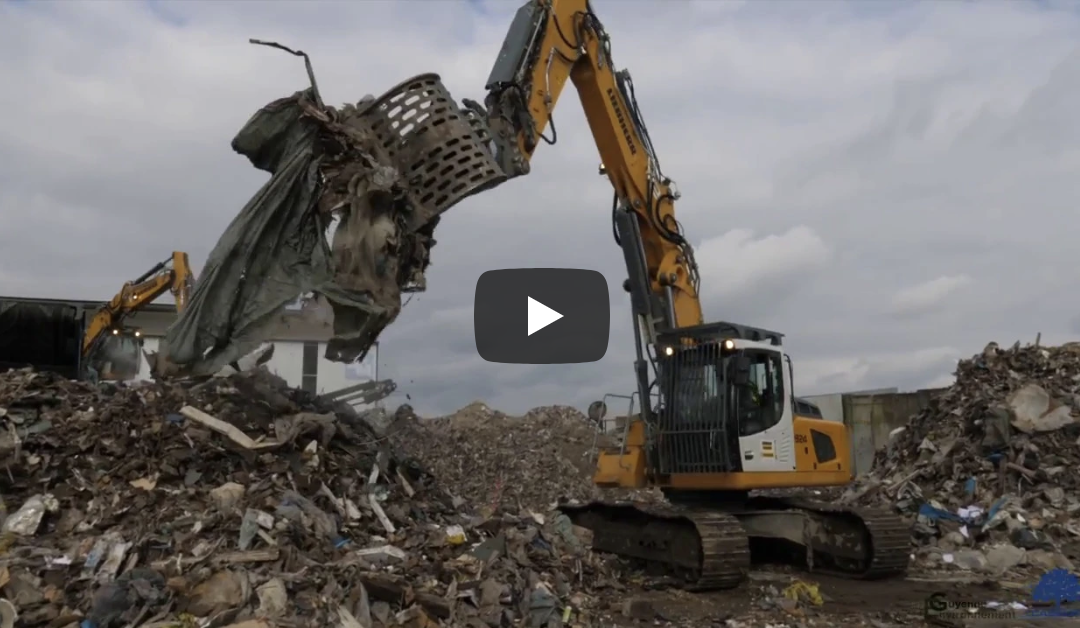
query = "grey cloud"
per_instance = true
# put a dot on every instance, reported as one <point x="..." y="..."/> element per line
<point x="928" y="296"/>
<point x="914" y="139"/>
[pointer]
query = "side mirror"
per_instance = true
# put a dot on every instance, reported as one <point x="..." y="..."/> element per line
<point x="597" y="412"/>
<point x="741" y="371"/>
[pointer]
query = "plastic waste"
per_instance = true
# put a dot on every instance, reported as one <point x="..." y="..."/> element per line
<point x="295" y="508"/>
<point x="130" y="592"/>
<point x="27" y="520"/>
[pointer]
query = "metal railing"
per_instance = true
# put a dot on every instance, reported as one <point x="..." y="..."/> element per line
<point x="693" y="435"/>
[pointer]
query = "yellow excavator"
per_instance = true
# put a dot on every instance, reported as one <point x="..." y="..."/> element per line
<point x="719" y="422"/>
<point x="109" y="350"/>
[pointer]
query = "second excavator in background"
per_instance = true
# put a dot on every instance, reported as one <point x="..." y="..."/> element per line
<point x="719" y="422"/>
<point x="110" y="351"/>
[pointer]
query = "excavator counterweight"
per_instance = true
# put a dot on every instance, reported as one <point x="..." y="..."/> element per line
<point x="720" y="422"/>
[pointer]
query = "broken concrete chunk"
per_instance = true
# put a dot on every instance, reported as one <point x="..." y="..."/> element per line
<point x="381" y="553"/>
<point x="8" y="614"/>
<point x="1035" y="411"/>
<point x="27" y="519"/>
<point x="227" y="496"/>
<point x="273" y="598"/>
<point x="971" y="560"/>
<point x="225" y="590"/>
<point x="1002" y="558"/>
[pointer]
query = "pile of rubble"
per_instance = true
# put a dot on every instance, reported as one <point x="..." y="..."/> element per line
<point x="237" y="501"/>
<point x="987" y="471"/>
<point x="494" y="461"/>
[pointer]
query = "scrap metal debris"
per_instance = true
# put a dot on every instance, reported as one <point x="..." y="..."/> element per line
<point x="239" y="501"/>
<point x="383" y="170"/>
<point x="494" y="460"/>
<point x="987" y="471"/>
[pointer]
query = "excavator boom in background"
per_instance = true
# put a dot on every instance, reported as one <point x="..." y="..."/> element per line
<point x="109" y="350"/>
<point x="718" y="415"/>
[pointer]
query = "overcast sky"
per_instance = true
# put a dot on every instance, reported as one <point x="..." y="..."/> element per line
<point x="892" y="185"/>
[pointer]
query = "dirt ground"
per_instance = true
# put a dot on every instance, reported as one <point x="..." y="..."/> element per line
<point x="760" y="603"/>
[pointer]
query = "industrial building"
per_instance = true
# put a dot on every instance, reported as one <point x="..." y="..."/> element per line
<point x="298" y="349"/>
<point x="299" y="343"/>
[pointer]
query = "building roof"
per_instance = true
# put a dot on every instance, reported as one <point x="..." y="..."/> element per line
<point x="89" y="305"/>
<point x="291" y="324"/>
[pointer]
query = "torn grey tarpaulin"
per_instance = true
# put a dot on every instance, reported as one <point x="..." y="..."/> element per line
<point x="386" y="168"/>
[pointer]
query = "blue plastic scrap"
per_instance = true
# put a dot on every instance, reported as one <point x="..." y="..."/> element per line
<point x="937" y="514"/>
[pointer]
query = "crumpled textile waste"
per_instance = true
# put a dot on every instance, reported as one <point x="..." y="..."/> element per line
<point x="356" y="168"/>
<point x="275" y="250"/>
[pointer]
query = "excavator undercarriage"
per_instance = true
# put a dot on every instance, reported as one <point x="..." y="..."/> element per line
<point x="708" y="542"/>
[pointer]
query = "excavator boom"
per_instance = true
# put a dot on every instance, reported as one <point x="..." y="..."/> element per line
<point x="724" y="422"/>
<point x="170" y="275"/>
<point x="548" y="43"/>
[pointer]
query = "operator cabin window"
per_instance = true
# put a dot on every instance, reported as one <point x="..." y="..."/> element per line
<point x="762" y="403"/>
<point x="696" y="392"/>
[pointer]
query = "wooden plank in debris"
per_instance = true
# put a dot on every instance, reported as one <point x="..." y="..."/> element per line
<point x="227" y="429"/>
<point x="380" y="514"/>
<point x="250" y="556"/>
<point x="405" y="483"/>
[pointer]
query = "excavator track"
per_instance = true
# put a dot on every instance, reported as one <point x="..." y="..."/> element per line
<point x="886" y="539"/>
<point x="707" y="546"/>
<point x="704" y="550"/>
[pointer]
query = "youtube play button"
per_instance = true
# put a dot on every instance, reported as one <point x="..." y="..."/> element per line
<point x="541" y="316"/>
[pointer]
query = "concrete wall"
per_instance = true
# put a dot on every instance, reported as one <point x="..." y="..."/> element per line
<point x="871" y="417"/>
<point x="150" y="345"/>
<point x="832" y="405"/>
<point x="288" y="362"/>
<point x="335" y="375"/>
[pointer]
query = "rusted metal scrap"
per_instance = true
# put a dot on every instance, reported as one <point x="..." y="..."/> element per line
<point x="362" y="393"/>
<point x="384" y="169"/>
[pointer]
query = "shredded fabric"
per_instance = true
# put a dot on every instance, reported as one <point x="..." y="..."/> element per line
<point x="328" y="166"/>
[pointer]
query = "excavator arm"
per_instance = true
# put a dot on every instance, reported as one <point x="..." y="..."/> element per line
<point x="549" y="42"/>
<point x="708" y="441"/>
<point x="171" y="275"/>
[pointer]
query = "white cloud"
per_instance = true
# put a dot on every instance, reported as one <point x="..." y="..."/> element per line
<point x="906" y="370"/>
<point x="928" y="296"/>
<point x="736" y="262"/>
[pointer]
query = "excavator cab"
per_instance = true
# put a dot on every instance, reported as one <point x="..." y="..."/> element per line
<point x="725" y="403"/>
<point x="117" y="356"/>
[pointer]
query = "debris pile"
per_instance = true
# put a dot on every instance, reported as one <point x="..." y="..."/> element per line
<point x="237" y="501"/>
<point x="987" y="471"/>
<point x="493" y="460"/>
